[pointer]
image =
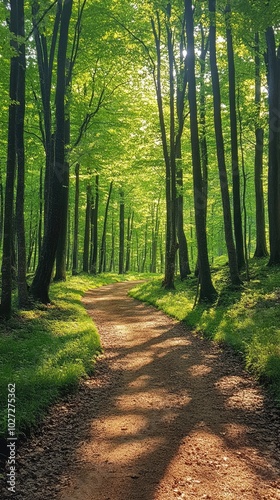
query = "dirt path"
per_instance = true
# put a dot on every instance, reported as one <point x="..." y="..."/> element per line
<point x="168" y="415"/>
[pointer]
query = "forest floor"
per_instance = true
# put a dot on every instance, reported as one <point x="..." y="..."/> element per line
<point x="167" y="415"/>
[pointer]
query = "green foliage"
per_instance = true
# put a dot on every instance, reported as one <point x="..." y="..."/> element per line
<point x="246" y="319"/>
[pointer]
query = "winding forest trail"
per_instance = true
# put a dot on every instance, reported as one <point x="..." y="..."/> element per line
<point x="167" y="415"/>
<point x="181" y="421"/>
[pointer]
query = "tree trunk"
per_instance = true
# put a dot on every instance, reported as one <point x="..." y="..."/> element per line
<point x="23" y="300"/>
<point x="173" y="246"/>
<point x="145" y="250"/>
<point x="202" y="117"/>
<point x="244" y="206"/>
<point x="274" y="154"/>
<point x="155" y="235"/>
<point x="40" y="221"/>
<point x="94" y="239"/>
<point x="45" y="61"/>
<point x="1" y="208"/>
<point x="181" y="82"/>
<point x="170" y="165"/>
<point x="62" y="244"/>
<point x="6" y="295"/>
<point x="103" y="239"/>
<point x="128" y="244"/>
<point x="234" y="144"/>
<point x="184" y="264"/>
<point x="40" y="285"/>
<point x="261" y="247"/>
<point x="233" y="267"/>
<point x="68" y="249"/>
<point x="60" y="272"/>
<point x="112" y="259"/>
<point x="207" y="290"/>
<point x="121" y="237"/>
<point x="75" y="263"/>
<point x="87" y="231"/>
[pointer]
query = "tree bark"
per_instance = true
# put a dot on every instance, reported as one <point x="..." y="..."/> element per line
<point x="60" y="272"/>
<point x="274" y="152"/>
<point x="261" y="247"/>
<point x="155" y="236"/>
<point x="128" y="243"/>
<point x="94" y="234"/>
<point x="170" y="165"/>
<point x="237" y="218"/>
<point x="1" y="208"/>
<point x="40" y="221"/>
<point x="87" y="231"/>
<point x="207" y="290"/>
<point x="45" y="61"/>
<point x="23" y="299"/>
<point x="112" y="258"/>
<point x="75" y="263"/>
<point x="233" y="266"/>
<point x="173" y="245"/>
<point x="103" y="239"/>
<point x="202" y="116"/>
<point x="121" y="236"/>
<point x="40" y="285"/>
<point x="184" y="263"/>
<point x="6" y="295"/>
<point x="181" y="81"/>
<point x="145" y="249"/>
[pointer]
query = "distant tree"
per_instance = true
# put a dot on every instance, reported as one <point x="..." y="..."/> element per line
<point x="76" y="222"/>
<point x="102" y="261"/>
<point x="94" y="227"/>
<point x="87" y="230"/>
<point x="121" y="233"/>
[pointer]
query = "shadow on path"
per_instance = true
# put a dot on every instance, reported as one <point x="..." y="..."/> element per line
<point x="167" y="415"/>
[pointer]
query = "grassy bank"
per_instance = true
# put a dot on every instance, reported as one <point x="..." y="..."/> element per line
<point x="248" y="319"/>
<point x="45" y="351"/>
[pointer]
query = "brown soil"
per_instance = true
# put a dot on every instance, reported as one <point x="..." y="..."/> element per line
<point x="167" y="415"/>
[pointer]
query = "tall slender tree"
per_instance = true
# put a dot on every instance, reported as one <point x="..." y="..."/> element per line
<point x="102" y="261"/>
<point x="237" y="218"/>
<point x="23" y="299"/>
<point x="261" y="247"/>
<point x="87" y="230"/>
<point x="274" y="140"/>
<point x="121" y="233"/>
<point x="60" y="274"/>
<point x="76" y="222"/>
<point x="94" y="227"/>
<point x="46" y="60"/>
<point x="15" y="155"/>
<point x="41" y="282"/>
<point x="207" y="290"/>
<point x="220" y="148"/>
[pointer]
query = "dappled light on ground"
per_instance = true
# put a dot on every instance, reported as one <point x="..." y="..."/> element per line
<point x="167" y="415"/>
<point x="179" y="420"/>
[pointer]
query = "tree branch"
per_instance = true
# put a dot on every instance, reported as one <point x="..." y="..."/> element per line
<point x="40" y="20"/>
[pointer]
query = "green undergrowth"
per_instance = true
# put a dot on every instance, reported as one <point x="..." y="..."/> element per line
<point x="46" y="351"/>
<point x="247" y="319"/>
